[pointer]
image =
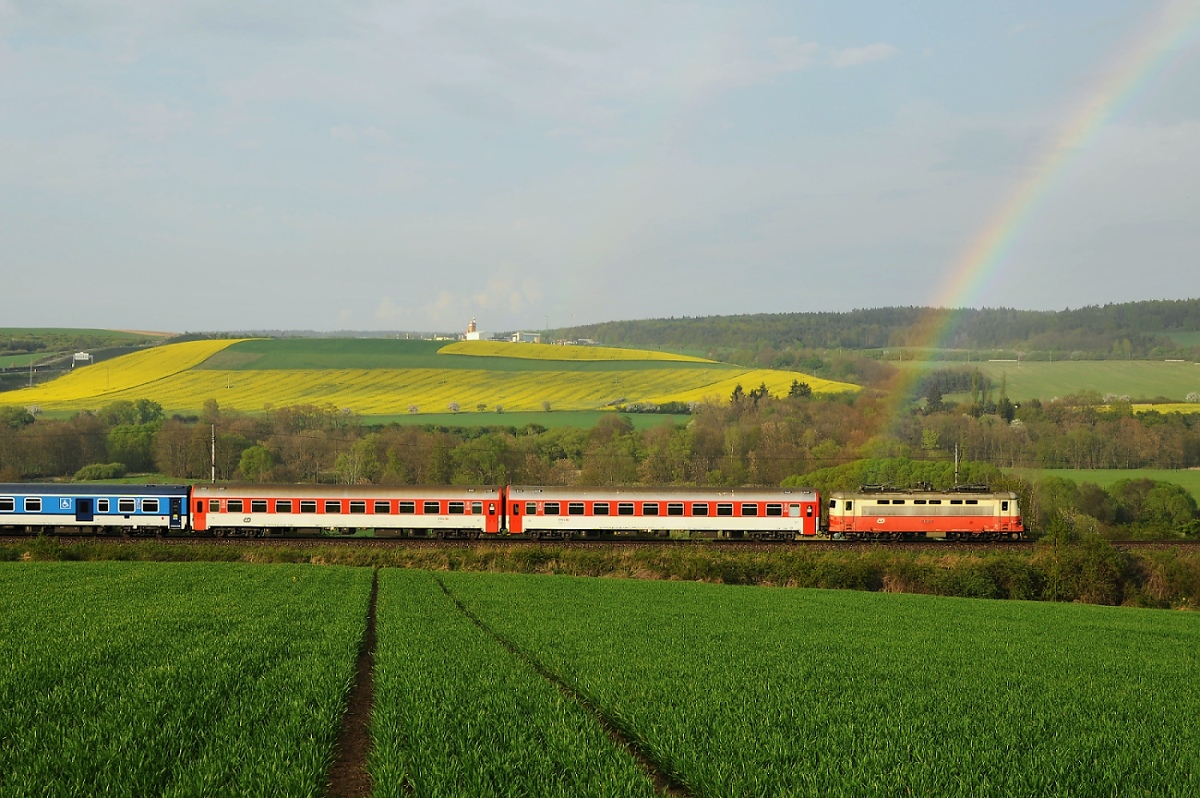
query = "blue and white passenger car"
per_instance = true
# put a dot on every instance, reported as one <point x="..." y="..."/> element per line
<point x="103" y="509"/>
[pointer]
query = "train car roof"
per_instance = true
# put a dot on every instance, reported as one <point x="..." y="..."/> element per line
<point x="86" y="489"/>
<point x="921" y="494"/>
<point x="267" y="490"/>
<point x="639" y="493"/>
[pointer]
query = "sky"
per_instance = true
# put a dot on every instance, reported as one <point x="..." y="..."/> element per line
<point x="360" y="165"/>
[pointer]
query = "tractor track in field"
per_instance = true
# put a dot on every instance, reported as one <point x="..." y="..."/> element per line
<point x="663" y="782"/>
<point x="348" y="776"/>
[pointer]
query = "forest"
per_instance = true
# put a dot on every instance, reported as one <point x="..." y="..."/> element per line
<point x="1133" y="329"/>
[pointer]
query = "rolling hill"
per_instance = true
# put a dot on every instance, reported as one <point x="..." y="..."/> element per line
<point x="381" y="377"/>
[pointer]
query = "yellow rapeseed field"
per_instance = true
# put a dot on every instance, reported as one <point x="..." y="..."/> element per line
<point x="552" y="352"/>
<point x="136" y="374"/>
<point x="166" y="375"/>
<point x="1173" y="407"/>
<point x="777" y="382"/>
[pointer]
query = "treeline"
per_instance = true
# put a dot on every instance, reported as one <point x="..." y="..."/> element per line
<point x="30" y="341"/>
<point x="1084" y="570"/>
<point x="750" y="440"/>
<point x="1135" y="329"/>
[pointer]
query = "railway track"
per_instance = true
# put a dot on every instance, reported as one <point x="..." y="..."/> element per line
<point x="708" y="544"/>
<point x="430" y="543"/>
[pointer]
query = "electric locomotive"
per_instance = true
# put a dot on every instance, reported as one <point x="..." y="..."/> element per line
<point x="965" y="513"/>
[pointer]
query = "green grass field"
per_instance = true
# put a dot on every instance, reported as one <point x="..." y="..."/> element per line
<point x="456" y="714"/>
<point x="581" y="419"/>
<point x="174" y="679"/>
<point x="1184" y="338"/>
<point x="1188" y="478"/>
<point x="114" y="337"/>
<point x="1138" y="379"/>
<point x="769" y="692"/>
<point x="182" y="679"/>
<point x="22" y="361"/>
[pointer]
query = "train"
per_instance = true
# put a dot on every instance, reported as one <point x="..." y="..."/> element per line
<point x="530" y="512"/>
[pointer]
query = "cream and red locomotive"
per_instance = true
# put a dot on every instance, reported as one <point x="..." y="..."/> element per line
<point x="881" y="513"/>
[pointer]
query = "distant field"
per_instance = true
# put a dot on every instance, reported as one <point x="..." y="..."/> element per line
<point x="20" y="361"/>
<point x="139" y="373"/>
<point x="1138" y="379"/>
<point x="577" y="419"/>
<point x="1170" y="407"/>
<point x="292" y="354"/>
<point x="389" y="378"/>
<point x="573" y="354"/>
<point x="1184" y="338"/>
<point x="115" y="336"/>
<point x="1104" y="477"/>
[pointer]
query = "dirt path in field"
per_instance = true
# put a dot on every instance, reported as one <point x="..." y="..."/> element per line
<point x="348" y="776"/>
<point x="662" y="782"/>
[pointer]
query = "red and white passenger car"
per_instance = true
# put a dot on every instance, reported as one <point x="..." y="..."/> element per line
<point x="886" y="514"/>
<point x="258" y="510"/>
<point x="749" y="513"/>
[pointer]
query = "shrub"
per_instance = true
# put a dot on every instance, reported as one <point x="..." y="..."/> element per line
<point x="100" y="471"/>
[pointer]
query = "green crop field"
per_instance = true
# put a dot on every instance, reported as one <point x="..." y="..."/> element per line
<point x="1184" y="338"/>
<point x="577" y="419"/>
<point x="764" y="692"/>
<point x="457" y="714"/>
<point x="22" y="361"/>
<point x="108" y="337"/>
<point x="1138" y="379"/>
<point x="230" y="679"/>
<point x="174" y="679"/>
<point x="1188" y="478"/>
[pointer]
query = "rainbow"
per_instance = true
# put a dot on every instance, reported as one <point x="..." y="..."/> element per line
<point x="1147" y="53"/>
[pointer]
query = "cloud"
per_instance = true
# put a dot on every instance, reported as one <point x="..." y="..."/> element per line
<point x="157" y="121"/>
<point x="857" y="56"/>
<point x="991" y="150"/>
<point x="792" y="54"/>
<point x="343" y="133"/>
<point x="504" y="297"/>
<point x="1025" y="27"/>
<point x="350" y="134"/>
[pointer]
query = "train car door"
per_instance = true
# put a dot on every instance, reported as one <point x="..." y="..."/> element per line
<point x="176" y="513"/>
<point x="794" y="512"/>
<point x="83" y="510"/>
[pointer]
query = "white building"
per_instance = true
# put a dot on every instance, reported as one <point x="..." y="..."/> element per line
<point x="526" y="338"/>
